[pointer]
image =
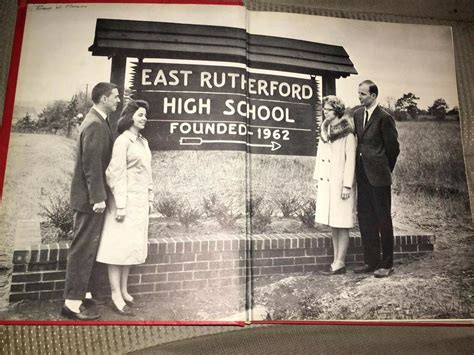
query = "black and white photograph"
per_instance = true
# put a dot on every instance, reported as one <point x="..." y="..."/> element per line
<point x="180" y="163"/>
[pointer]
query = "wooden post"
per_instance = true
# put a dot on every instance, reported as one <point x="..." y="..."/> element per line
<point x="138" y="74"/>
<point x="117" y="76"/>
<point x="317" y="112"/>
<point x="329" y="85"/>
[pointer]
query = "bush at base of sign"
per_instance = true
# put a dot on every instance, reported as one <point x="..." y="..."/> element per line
<point x="261" y="221"/>
<point x="289" y="204"/>
<point x="222" y="211"/>
<point x="167" y="206"/>
<point x="287" y="213"/>
<point x="58" y="214"/>
<point x="307" y="213"/>
<point x="188" y="215"/>
<point x="260" y="213"/>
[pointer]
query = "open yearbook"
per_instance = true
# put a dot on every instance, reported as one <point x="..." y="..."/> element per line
<point x="243" y="166"/>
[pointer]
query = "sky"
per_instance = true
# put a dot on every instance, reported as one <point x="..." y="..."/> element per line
<point x="400" y="58"/>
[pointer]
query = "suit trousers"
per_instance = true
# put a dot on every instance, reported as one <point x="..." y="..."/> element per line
<point x="375" y="221"/>
<point x="83" y="272"/>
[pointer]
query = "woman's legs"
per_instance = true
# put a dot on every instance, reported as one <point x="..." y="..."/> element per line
<point x="124" y="283"/>
<point x="342" y="244"/>
<point x="335" y="244"/>
<point x="115" y="274"/>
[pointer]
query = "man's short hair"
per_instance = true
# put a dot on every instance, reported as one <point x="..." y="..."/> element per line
<point x="373" y="89"/>
<point x="102" y="88"/>
<point x="126" y="117"/>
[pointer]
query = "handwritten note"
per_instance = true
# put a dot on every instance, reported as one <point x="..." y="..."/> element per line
<point x="58" y="7"/>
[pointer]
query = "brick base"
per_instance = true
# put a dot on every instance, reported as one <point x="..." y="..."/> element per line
<point x="183" y="265"/>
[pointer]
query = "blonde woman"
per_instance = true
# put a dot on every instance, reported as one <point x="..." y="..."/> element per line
<point x="334" y="173"/>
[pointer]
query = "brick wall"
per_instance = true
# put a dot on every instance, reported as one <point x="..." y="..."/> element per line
<point x="182" y="265"/>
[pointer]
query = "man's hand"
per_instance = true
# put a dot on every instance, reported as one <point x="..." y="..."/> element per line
<point x="99" y="207"/>
<point x="346" y="192"/>
<point x="150" y="206"/>
<point x="120" y="215"/>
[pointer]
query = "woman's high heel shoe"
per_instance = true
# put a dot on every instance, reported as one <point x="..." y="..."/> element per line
<point x="125" y="311"/>
<point x="132" y="304"/>
<point x="339" y="271"/>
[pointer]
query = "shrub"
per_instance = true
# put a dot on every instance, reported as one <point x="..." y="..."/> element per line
<point x="288" y="204"/>
<point x="210" y="205"/>
<point x="58" y="212"/>
<point x="254" y="205"/>
<point x="225" y="215"/>
<point x="221" y="210"/>
<point x="307" y="213"/>
<point x="261" y="220"/>
<point x="167" y="206"/>
<point x="188" y="215"/>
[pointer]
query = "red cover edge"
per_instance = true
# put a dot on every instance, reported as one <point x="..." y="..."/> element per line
<point x="11" y="88"/>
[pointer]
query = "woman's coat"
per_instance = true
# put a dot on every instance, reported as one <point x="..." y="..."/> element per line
<point x="335" y="168"/>
<point x="129" y="177"/>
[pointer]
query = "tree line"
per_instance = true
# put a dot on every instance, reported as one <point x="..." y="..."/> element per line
<point x="406" y="108"/>
<point x="58" y="117"/>
<point x="63" y="117"/>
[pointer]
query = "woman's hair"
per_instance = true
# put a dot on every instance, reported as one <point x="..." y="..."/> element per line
<point x="336" y="104"/>
<point x="126" y="117"/>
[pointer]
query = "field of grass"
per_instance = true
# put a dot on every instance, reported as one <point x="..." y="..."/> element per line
<point x="431" y="158"/>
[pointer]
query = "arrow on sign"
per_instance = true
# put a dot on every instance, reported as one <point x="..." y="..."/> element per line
<point x="199" y="141"/>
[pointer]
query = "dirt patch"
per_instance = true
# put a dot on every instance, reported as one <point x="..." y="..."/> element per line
<point x="206" y="305"/>
<point x="437" y="286"/>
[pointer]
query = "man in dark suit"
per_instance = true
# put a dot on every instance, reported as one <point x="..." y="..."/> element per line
<point x="377" y="152"/>
<point x="88" y="200"/>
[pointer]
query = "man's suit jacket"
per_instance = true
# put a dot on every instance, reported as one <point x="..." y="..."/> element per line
<point x="94" y="150"/>
<point x="377" y="147"/>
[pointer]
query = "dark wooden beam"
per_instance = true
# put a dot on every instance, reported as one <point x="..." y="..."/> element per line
<point x="219" y="43"/>
<point x="329" y="85"/>
<point x="117" y="76"/>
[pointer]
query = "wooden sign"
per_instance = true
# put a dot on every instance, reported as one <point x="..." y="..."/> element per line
<point x="211" y="107"/>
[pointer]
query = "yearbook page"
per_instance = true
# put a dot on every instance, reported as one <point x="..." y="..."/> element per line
<point x="205" y="164"/>
<point x="132" y="194"/>
<point x="354" y="217"/>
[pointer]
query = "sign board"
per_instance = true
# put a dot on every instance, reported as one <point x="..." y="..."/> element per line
<point x="213" y="107"/>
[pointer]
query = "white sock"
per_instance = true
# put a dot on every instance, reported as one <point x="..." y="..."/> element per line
<point x="73" y="305"/>
<point x="88" y="295"/>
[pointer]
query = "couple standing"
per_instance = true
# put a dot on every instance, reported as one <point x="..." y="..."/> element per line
<point x="366" y="153"/>
<point x="111" y="195"/>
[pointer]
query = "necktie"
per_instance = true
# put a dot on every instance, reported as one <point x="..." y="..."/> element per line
<point x="108" y="123"/>
<point x="366" y="118"/>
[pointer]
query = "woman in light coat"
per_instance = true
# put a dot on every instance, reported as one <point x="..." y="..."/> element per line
<point x="334" y="173"/>
<point x="124" y="238"/>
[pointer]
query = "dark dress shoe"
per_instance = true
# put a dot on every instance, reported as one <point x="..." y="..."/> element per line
<point x="339" y="271"/>
<point x="364" y="268"/>
<point x="90" y="302"/>
<point x="125" y="311"/>
<point x="84" y="314"/>
<point x="383" y="272"/>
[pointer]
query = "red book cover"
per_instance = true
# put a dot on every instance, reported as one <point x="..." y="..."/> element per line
<point x="198" y="163"/>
